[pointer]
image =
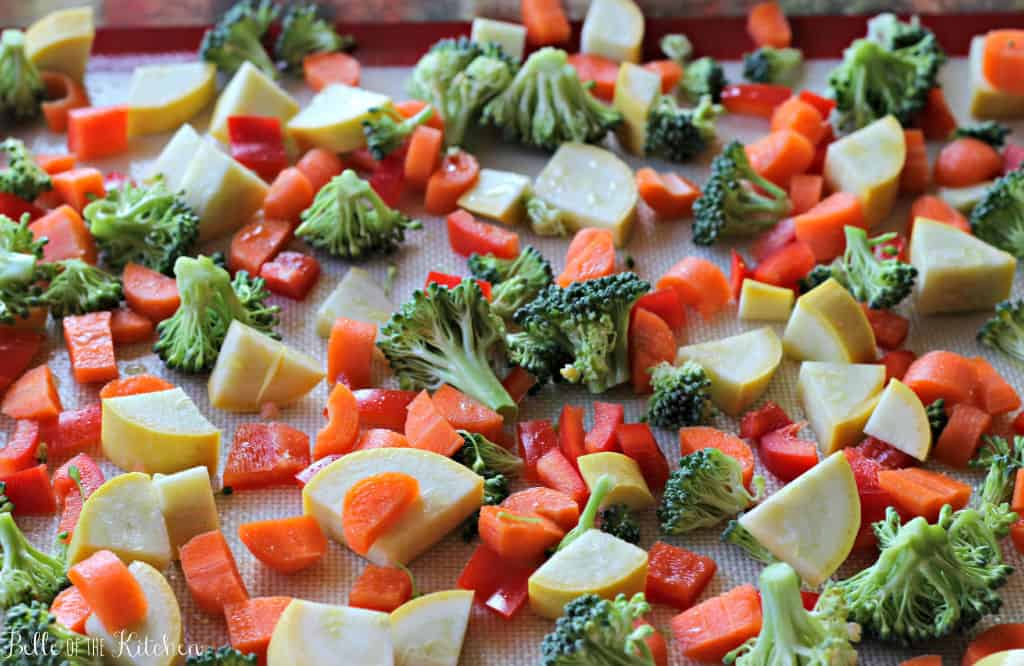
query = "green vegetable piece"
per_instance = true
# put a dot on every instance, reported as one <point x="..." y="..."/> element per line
<point x="678" y="134"/>
<point x="78" y="288"/>
<point x="705" y="490"/>
<point x="304" y="32"/>
<point x="620" y="521"/>
<point x="515" y="282"/>
<point x="33" y="636"/>
<point x="998" y="219"/>
<point x="237" y="37"/>
<point x="28" y="574"/>
<point x="879" y="283"/>
<point x="23" y="177"/>
<point x="597" y="632"/>
<point x="21" y="86"/>
<point x="681" y="395"/>
<point x="703" y="77"/>
<point x="771" y="65"/>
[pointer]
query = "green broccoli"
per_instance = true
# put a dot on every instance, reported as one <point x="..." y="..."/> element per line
<point x="6" y="505"/>
<point x="33" y="636"/>
<point x="222" y="656"/>
<point x="515" y="282"/>
<point x="991" y="132"/>
<point x="147" y="225"/>
<point x="21" y="86"/>
<point x="387" y="131"/>
<point x="588" y="517"/>
<point x="892" y="33"/>
<point x="579" y="333"/>
<point x="620" y="521"/>
<point x="237" y="37"/>
<point x="20" y="269"/>
<point x="545" y="219"/>
<point x="1004" y="332"/>
<point x="999" y="216"/>
<point x="23" y="177"/>
<point x="28" y="574"/>
<point x="792" y="636"/>
<point x="1001" y="462"/>
<point x="681" y="395"/>
<point x="434" y="72"/>
<point x="349" y="220"/>
<point x="78" y="288"/>
<point x="874" y="81"/>
<point x="741" y="537"/>
<point x="449" y="336"/>
<point x="547" y="105"/>
<point x="304" y="32"/>
<point x="677" y="47"/>
<point x="486" y="76"/>
<point x="495" y="464"/>
<point x="937" y="418"/>
<point x="879" y="283"/>
<point x="191" y="338"/>
<point x="703" y="77"/>
<point x="736" y="200"/>
<point x="771" y="65"/>
<point x="596" y="632"/>
<point x="705" y="490"/>
<point x="678" y="134"/>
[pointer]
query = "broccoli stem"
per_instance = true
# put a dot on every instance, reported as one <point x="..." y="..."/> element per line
<point x="588" y="519"/>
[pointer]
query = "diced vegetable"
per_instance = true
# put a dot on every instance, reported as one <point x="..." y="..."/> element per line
<point x="739" y="367"/>
<point x="287" y="545"/>
<point x="987" y="101"/>
<point x="250" y="93"/>
<point x="636" y="90"/>
<point x="827" y="324"/>
<point x="333" y="119"/>
<point x="899" y="419"/>
<point x="613" y="29"/>
<point x="838" y="399"/>
<point x="312" y="634"/>
<point x="430" y="629"/>
<point x="882" y="144"/>
<point x="162" y="98"/>
<point x="357" y="296"/>
<point x="211" y="572"/>
<point x="61" y="41"/>
<point x="511" y="37"/>
<point x="766" y="302"/>
<point x="629" y="488"/>
<point x="222" y="192"/>
<point x="497" y="195"/>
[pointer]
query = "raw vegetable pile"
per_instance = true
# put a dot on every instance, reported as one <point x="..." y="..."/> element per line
<point x="436" y="410"/>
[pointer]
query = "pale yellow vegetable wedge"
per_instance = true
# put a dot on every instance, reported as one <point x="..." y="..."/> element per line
<point x="497" y="195"/>
<point x="838" y="399"/>
<point x="765" y="302"/>
<point x="173" y="161"/>
<point x="827" y="324"/>
<point x="1005" y="658"/>
<point x="187" y="504"/>
<point x="223" y="193"/>
<point x="739" y="367"/>
<point x="630" y="488"/>
<point x="636" y="90"/>
<point x="162" y="98"/>
<point x="868" y="164"/>
<point x="312" y="634"/>
<point x="356" y="296"/>
<point x="613" y="29"/>
<point x="429" y="630"/>
<point x="511" y="37"/>
<point x="251" y="93"/>
<point x="61" y="41"/>
<point x="334" y="118"/>
<point x="899" y="419"/>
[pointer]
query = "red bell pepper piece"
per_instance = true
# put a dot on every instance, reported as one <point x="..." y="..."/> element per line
<point x="754" y="99"/>
<point x="759" y="422"/>
<point x="467" y="236"/>
<point x="607" y="417"/>
<point x="388" y="178"/>
<point x="256" y="243"/>
<point x="499" y="585"/>
<point x="67" y="236"/>
<point x="556" y="472"/>
<point x="738" y="272"/>
<point x="291" y="274"/>
<point x="786" y="455"/>
<point x="30" y="491"/>
<point x="571" y="433"/>
<point x="676" y="576"/>
<point x="303" y="477"/>
<point x="638" y="442"/>
<point x="535" y="439"/>
<point x="809" y="599"/>
<point x="1018" y="424"/>
<point x="518" y="383"/>
<point x="885" y="454"/>
<point x="17" y="349"/>
<point x="258" y="143"/>
<point x="897" y="362"/>
<point x="71" y="494"/>
<point x="824" y="105"/>
<point x="666" y="304"/>
<point x="890" y="328"/>
<point x="821" y="151"/>
<point x="73" y="430"/>
<point x="1013" y="158"/>
<point x="873" y="499"/>
<point x="452" y="281"/>
<point x="14" y="207"/>
<point x="786" y="266"/>
<point x="779" y="236"/>
<point x="264" y="455"/>
<point x="22" y="448"/>
<point x="383" y="408"/>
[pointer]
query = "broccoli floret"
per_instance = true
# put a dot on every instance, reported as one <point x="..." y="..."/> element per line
<point x="191" y="338"/>
<point x="222" y="656"/>
<point x="23" y="177"/>
<point x="879" y="283"/>
<point x="21" y="86"/>
<point x="304" y="32"/>
<point x="937" y="418"/>
<point x="545" y="219"/>
<point x="485" y="457"/>
<point x="78" y="288"/>
<point x="892" y="33"/>
<point x="349" y="220"/>
<point x="6" y="505"/>
<point x="547" y="105"/>
<point x="32" y="635"/>
<point x="1004" y="332"/>
<point x="736" y="200"/>
<point x="28" y="574"/>
<point x="703" y="76"/>
<point x="740" y="536"/>
<point x="817" y="275"/>
<point x="874" y="81"/>
<point x="771" y="65"/>
<point x="515" y="282"/>
<point x="20" y="269"/>
<point x="678" y="134"/>
<point x="486" y="76"/>
<point x="434" y="72"/>
<point x="677" y="46"/>
<point x="386" y="131"/>
<point x="148" y="225"/>
<point x="587" y="521"/>
<point x="681" y="395"/>
<point x="579" y="333"/>
<point x="991" y="132"/>
<point x="792" y="636"/>
<point x="237" y="37"/>
<point x="999" y="216"/>
<point x="449" y="336"/>
<point x="620" y="521"/>
<point x="596" y="632"/>
<point x="705" y="490"/>
<point x="1001" y="462"/>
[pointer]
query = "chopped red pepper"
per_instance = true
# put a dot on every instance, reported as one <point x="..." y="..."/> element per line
<point x="73" y="430"/>
<point x="17" y="349"/>
<point x="890" y="329"/>
<point x="637" y="441"/>
<point x="71" y="494"/>
<point x="607" y="417"/>
<point x="291" y="274"/>
<point x="14" y="207"/>
<point x="738" y="272"/>
<point x="499" y="585"/>
<point x="30" y="491"/>
<point x="388" y="178"/>
<point x="556" y="472"/>
<point x="383" y="408"/>
<point x="759" y="422"/>
<point x="303" y="477"/>
<point x="824" y="105"/>
<point x="779" y="236"/>
<point x="1018" y="424"/>
<point x="22" y="448"/>
<point x="518" y="383"/>
<point x="897" y="362"/>
<point x="256" y="243"/>
<point x="535" y="439"/>
<point x="676" y="576"/>
<point x="666" y="304"/>
<point x="467" y="236"/>
<point x="885" y="454"/>
<point x="265" y="455"/>
<point x="257" y="142"/>
<point x="785" y="455"/>
<point x="754" y="99"/>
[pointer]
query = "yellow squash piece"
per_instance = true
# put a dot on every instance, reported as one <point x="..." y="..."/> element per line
<point x="429" y="630"/>
<point x="986" y="101"/>
<point x="312" y="634"/>
<point x="186" y="501"/>
<point x="739" y="367"/>
<point x="511" y="37"/>
<point x="334" y="118"/>
<point x="177" y="154"/>
<point x="223" y="193"/>
<point x="61" y="41"/>
<point x="636" y="90"/>
<point x="162" y="98"/>
<point x="868" y="164"/>
<point x="838" y="399"/>
<point x="356" y="296"/>
<point x="124" y="517"/>
<point x="964" y="199"/>
<point x="157" y="639"/>
<point x="592" y="187"/>
<point x="613" y="29"/>
<point x="595" y="563"/>
<point x="253" y="368"/>
<point x="630" y="487"/>
<point x="957" y="272"/>
<point x="251" y="93"/>
<point x="812" y="522"/>
<point x="827" y="324"/>
<point x="900" y="419"/>
<point x="161" y="432"/>
<point x="449" y="494"/>
<point x="765" y="302"/>
<point x="1005" y="658"/>
<point x="497" y="195"/>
